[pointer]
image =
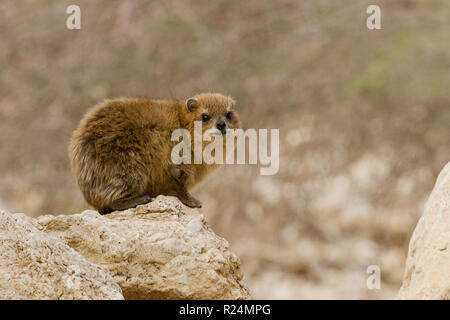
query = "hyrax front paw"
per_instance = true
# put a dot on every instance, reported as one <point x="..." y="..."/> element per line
<point x="190" y="201"/>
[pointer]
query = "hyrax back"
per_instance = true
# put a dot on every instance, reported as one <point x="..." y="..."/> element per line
<point x="120" y="152"/>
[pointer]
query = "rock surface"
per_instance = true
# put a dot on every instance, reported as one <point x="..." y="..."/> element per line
<point x="35" y="265"/>
<point x="162" y="250"/>
<point x="427" y="274"/>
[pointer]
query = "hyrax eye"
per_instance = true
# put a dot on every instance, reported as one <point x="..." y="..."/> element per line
<point x="229" y="115"/>
<point x="205" y="117"/>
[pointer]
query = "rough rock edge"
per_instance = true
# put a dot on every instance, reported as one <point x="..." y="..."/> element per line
<point x="35" y="265"/>
<point x="161" y="250"/>
<point x="427" y="272"/>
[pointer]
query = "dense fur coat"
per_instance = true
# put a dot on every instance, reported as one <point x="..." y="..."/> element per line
<point x="120" y="152"/>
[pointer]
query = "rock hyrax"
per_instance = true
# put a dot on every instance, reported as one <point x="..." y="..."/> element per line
<point x="121" y="150"/>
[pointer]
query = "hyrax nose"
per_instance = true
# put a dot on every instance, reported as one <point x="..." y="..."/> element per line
<point x="220" y="125"/>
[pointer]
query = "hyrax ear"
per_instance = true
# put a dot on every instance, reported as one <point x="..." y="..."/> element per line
<point x="191" y="104"/>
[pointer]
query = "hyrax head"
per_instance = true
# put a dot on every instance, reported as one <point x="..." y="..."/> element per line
<point x="215" y="111"/>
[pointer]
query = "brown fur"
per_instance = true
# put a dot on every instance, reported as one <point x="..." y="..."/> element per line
<point x="120" y="152"/>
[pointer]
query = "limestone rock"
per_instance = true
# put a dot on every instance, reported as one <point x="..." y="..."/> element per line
<point x="427" y="274"/>
<point x="162" y="250"/>
<point x="35" y="265"/>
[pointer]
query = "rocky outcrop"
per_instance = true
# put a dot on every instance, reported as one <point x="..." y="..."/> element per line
<point x="427" y="274"/>
<point x="35" y="265"/>
<point x="162" y="250"/>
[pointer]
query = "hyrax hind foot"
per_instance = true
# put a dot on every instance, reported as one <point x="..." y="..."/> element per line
<point x="127" y="203"/>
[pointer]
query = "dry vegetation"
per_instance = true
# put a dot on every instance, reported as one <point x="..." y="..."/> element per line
<point x="363" y="116"/>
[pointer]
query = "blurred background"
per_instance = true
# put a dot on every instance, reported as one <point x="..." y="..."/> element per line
<point x="363" y="116"/>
